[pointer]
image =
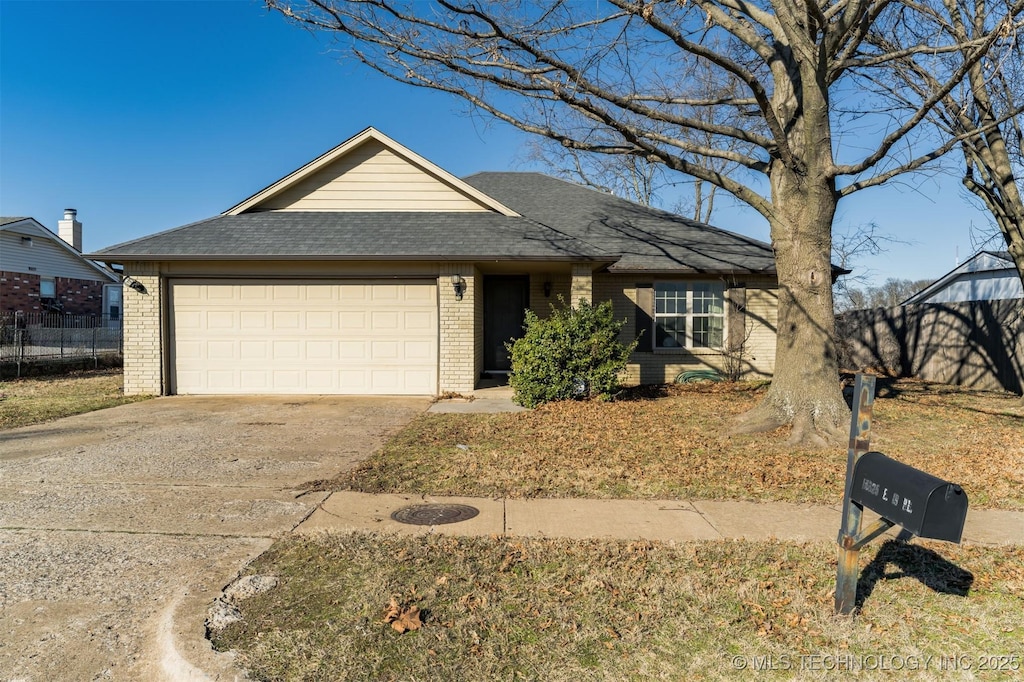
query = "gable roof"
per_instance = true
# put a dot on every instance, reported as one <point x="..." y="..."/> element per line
<point x="294" y="179"/>
<point x="33" y="228"/>
<point x="982" y="261"/>
<point x="646" y="239"/>
<point x="522" y="216"/>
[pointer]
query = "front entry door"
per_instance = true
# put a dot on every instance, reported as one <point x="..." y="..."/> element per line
<point x="506" y="298"/>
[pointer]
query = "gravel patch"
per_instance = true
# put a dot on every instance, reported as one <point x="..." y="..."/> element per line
<point x="120" y="528"/>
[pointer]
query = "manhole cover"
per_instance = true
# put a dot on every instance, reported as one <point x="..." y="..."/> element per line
<point x="434" y="514"/>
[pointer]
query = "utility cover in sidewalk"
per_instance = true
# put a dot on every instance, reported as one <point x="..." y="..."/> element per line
<point x="434" y="514"/>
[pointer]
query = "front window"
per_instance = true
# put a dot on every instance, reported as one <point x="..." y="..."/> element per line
<point x="47" y="287"/>
<point x="689" y="315"/>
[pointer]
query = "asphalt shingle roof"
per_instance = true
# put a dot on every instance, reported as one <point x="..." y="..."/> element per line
<point x="647" y="239"/>
<point x="560" y="221"/>
<point x="320" y="234"/>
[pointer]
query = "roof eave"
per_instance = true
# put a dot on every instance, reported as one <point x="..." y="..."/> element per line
<point x="122" y="258"/>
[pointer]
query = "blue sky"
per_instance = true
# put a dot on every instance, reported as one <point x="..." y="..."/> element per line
<point x="150" y="115"/>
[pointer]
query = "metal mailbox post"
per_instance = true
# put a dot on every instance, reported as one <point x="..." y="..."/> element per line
<point x="921" y="503"/>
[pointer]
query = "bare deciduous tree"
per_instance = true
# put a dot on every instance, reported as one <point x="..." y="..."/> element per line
<point x="611" y="78"/>
<point x="981" y="113"/>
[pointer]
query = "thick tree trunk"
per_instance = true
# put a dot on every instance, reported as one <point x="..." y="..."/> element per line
<point x="805" y="390"/>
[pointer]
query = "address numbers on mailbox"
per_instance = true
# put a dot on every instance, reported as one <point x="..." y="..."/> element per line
<point x="926" y="505"/>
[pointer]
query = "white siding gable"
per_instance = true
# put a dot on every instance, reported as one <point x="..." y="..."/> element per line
<point x="982" y="277"/>
<point x="980" y="286"/>
<point x="371" y="178"/>
<point x="41" y="254"/>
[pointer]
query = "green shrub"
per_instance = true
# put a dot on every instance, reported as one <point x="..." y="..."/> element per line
<point x="574" y="353"/>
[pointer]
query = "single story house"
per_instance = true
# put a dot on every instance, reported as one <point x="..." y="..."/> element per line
<point x="45" y="272"/>
<point x="985" y="276"/>
<point x="370" y="270"/>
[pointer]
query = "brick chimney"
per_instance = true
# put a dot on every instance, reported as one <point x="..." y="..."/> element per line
<point x="70" y="230"/>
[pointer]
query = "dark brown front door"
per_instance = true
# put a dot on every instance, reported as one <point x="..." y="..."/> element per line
<point x="506" y="298"/>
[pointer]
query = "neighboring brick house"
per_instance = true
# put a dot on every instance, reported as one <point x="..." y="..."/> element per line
<point x="370" y="270"/>
<point x="43" y="272"/>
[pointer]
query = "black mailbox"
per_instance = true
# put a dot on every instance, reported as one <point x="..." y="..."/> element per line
<point x="925" y="505"/>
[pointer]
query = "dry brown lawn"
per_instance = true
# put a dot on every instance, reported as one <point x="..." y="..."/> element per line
<point x="545" y="609"/>
<point x="672" y="442"/>
<point x="34" y="400"/>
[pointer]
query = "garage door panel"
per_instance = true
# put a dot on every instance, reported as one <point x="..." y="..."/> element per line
<point x="321" y="381"/>
<point x="253" y="350"/>
<point x="304" y="337"/>
<point x="249" y="319"/>
<point x="286" y="319"/>
<point x="353" y="321"/>
<point x="320" y="350"/>
<point x="254" y="292"/>
<point x="221" y="320"/>
<point x="285" y="351"/>
<point x="320" y="319"/>
<point x="418" y="351"/>
<point x="220" y="380"/>
<point x="285" y="292"/>
<point x="385" y="321"/>
<point x="221" y="350"/>
<point x="420" y="381"/>
<point x="353" y="293"/>
<point x="416" y="321"/>
<point x="190" y="320"/>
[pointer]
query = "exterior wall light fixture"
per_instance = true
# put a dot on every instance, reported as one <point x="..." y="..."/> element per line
<point x="459" y="286"/>
<point x="547" y="289"/>
<point x="134" y="284"/>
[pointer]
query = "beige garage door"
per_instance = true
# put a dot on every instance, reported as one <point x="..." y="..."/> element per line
<point x="353" y="337"/>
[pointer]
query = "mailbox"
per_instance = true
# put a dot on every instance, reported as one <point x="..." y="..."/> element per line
<point x="925" y="505"/>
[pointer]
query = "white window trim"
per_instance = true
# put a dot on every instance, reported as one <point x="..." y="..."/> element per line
<point x="51" y="280"/>
<point x="689" y="316"/>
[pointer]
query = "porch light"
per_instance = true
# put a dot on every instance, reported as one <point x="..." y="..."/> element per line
<point x="459" y="286"/>
<point x="134" y="284"/>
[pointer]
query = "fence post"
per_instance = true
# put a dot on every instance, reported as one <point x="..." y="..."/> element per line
<point x="95" y="358"/>
<point x="19" y="348"/>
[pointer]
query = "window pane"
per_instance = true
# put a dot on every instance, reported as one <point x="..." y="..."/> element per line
<point x="708" y="299"/>
<point x="669" y="299"/>
<point x="707" y="332"/>
<point x="670" y="332"/>
<point x="47" y="288"/>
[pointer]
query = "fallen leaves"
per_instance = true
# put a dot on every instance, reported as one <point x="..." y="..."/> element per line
<point x="403" y="617"/>
<point x="672" y="442"/>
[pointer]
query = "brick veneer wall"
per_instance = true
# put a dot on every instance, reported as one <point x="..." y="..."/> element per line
<point x="143" y="361"/>
<point x="650" y="367"/>
<point x="457" y="321"/>
<point x="20" y="292"/>
<point x="582" y="287"/>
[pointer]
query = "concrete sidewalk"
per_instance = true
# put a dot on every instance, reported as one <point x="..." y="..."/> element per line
<point x="666" y="520"/>
<point x="491" y="400"/>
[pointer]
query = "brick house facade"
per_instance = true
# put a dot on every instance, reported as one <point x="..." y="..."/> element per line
<point x="20" y="292"/>
<point x="372" y="271"/>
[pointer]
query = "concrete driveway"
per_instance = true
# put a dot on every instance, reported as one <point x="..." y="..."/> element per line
<point x="119" y="527"/>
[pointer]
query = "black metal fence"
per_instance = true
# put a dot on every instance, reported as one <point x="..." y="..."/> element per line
<point x="53" y="337"/>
